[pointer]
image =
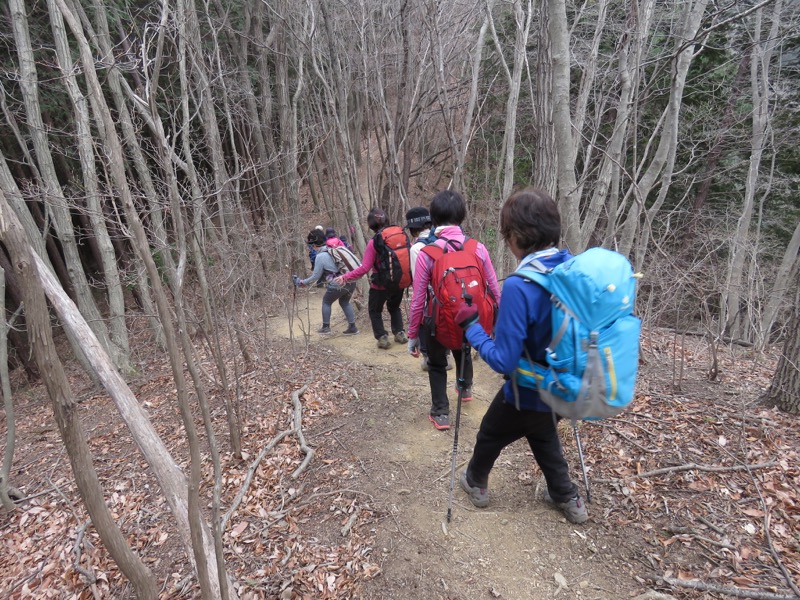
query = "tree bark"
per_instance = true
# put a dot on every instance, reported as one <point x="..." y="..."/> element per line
<point x="51" y="189"/>
<point x="785" y="389"/>
<point x="185" y="506"/>
<point x="28" y="265"/>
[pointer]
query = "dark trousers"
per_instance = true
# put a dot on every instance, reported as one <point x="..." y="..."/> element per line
<point x="437" y="372"/>
<point x="375" y="303"/>
<point x="502" y="425"/>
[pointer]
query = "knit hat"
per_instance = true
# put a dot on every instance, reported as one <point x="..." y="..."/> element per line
<point x="418" y="218"/>
<point x="316" y="237"/>
<point x="330" y="232"/>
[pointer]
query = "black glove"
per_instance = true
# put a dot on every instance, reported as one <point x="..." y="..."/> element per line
<point x="466" y="315"/>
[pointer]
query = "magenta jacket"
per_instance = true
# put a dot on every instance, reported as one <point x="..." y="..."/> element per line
<point x="368" y="263"/>
<point x="424" y="266"/>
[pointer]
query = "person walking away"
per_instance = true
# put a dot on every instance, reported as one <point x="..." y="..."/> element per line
<point x="332" y="240"/>
<point x="379" y="295"/>
<point x="325" y="269"/>
<point x="418" y="223"/>
<point x="448" y="210"/>
<point x="531" y="226"/>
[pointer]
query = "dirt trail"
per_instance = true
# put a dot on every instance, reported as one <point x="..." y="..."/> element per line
<point x="517" y="548"/>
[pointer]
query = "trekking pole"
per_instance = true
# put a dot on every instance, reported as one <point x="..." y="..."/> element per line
<point x="465" y="348"/>
<point x="580" y="459"/>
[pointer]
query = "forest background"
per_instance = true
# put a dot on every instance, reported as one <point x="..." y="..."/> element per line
<point x="161" y="163"/>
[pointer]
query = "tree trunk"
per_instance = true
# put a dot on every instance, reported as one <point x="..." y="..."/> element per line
<point x="108" y="261"/>
<point x="732" y="318"/>
<point x="65" y="409"/>
<point x="785" y="389"/>
<point x="8" y="403"/>
<point x="51" y="189"/>
<point x="193" y="529"/>
<point x="568" y="198"/>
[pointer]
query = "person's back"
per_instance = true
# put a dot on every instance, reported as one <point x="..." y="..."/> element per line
<point x="531" y="226"/>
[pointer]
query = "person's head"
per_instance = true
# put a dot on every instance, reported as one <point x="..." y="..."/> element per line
<point x="531" y="220"/>
<point x="376" y="219"/>
<point x="316" y="238"/>
<point x="448" y="208"/>
<point x="330" y="232"/>
<point x="418" y="219"/>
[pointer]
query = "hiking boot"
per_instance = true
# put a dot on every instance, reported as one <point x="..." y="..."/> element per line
<point x="384" y="343"/>
<point x="441" y="422"/>
<point x="400" y="337"/>
<point x="477" y="495"/>
<point x="324" y="330"/>
<point x="467" y="395"/>
<point x="351" y="329"/>
<point x="574" y="508"/>
<point x="423" y="362"/>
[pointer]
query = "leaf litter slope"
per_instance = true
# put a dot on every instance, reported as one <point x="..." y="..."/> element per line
<point x="686" y="485"/>
<point x="695" y="488"/>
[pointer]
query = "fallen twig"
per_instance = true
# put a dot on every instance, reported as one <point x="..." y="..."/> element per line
<point x="730" y="591"/>
<point x="350" y="521"/>
<point x="696" y="467"/>
<point x="90" y="578"/>
<point x="250" y="474"/>
<point x="298" y="430"/>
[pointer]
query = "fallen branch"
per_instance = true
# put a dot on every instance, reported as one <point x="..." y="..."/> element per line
<point x="730" y="591"/>
<point x="350" y="522"/>
<point x="76" y="549"/>
<point x="696" y="467"/>
<point x="250" y="474"/>
<point x="298" y="431"/>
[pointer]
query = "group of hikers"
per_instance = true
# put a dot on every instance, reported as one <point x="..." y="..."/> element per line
<point x="456" y="305"/>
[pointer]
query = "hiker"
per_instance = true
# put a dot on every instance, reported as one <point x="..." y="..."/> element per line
<point x="447" y="212"/>
<point x="531" y="226"/>
<point x="312" y="253"/>
<point x="325" y="269"/>
<point x="379" y="295"/>
<point x="418" y="223"/>
<point x="332" y="240"/>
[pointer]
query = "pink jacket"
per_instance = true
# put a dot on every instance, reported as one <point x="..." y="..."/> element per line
<point x="370" y="255"/>
<point x="333" y="242"/>
<point x="422" y="275"/>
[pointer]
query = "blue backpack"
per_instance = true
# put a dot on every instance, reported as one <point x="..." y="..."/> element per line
<point x="593" y="357"/>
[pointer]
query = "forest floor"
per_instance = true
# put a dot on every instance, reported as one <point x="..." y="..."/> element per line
<point x="695" y="489"/>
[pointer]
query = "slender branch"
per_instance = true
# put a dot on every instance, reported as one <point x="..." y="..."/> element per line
<point x="696" y="467"/>
<point x="298" y="430"/>
<point x="694" y="584"/>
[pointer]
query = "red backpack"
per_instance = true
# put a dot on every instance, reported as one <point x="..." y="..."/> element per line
<point x="457" y="271"/>
<point x="393" y="263"/>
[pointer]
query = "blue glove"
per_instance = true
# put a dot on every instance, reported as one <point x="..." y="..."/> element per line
<point x="297" y="281"/>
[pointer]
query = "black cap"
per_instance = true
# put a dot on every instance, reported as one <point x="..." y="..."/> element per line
<point x="418" y="218"/>
<point x="316" y="237"/>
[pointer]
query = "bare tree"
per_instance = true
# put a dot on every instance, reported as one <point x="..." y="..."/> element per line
<point x="785" y="389"/>
<point x="65" y="408"/>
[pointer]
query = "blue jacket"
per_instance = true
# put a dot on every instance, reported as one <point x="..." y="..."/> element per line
<point x="524" y="318"/>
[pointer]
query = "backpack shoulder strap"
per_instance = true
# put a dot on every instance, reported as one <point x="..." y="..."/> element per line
<point x="433" y="251"/>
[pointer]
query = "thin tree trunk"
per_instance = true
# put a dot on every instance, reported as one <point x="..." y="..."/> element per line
<point x="568" y="198"/>
<point x="108" y="261"/>
<point x="8" y="404"/>
<point x="193" y="529"/>
<point x="65" y="408"/>
<point x="761" y="54"/>
<point x="785" y="389"/>
<point x="51" y="189"/>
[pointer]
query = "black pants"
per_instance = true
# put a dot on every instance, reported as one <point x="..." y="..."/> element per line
<point x="375" y="302"/>
<point x="502" y="425"/>
<point x="437" y="372"/>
